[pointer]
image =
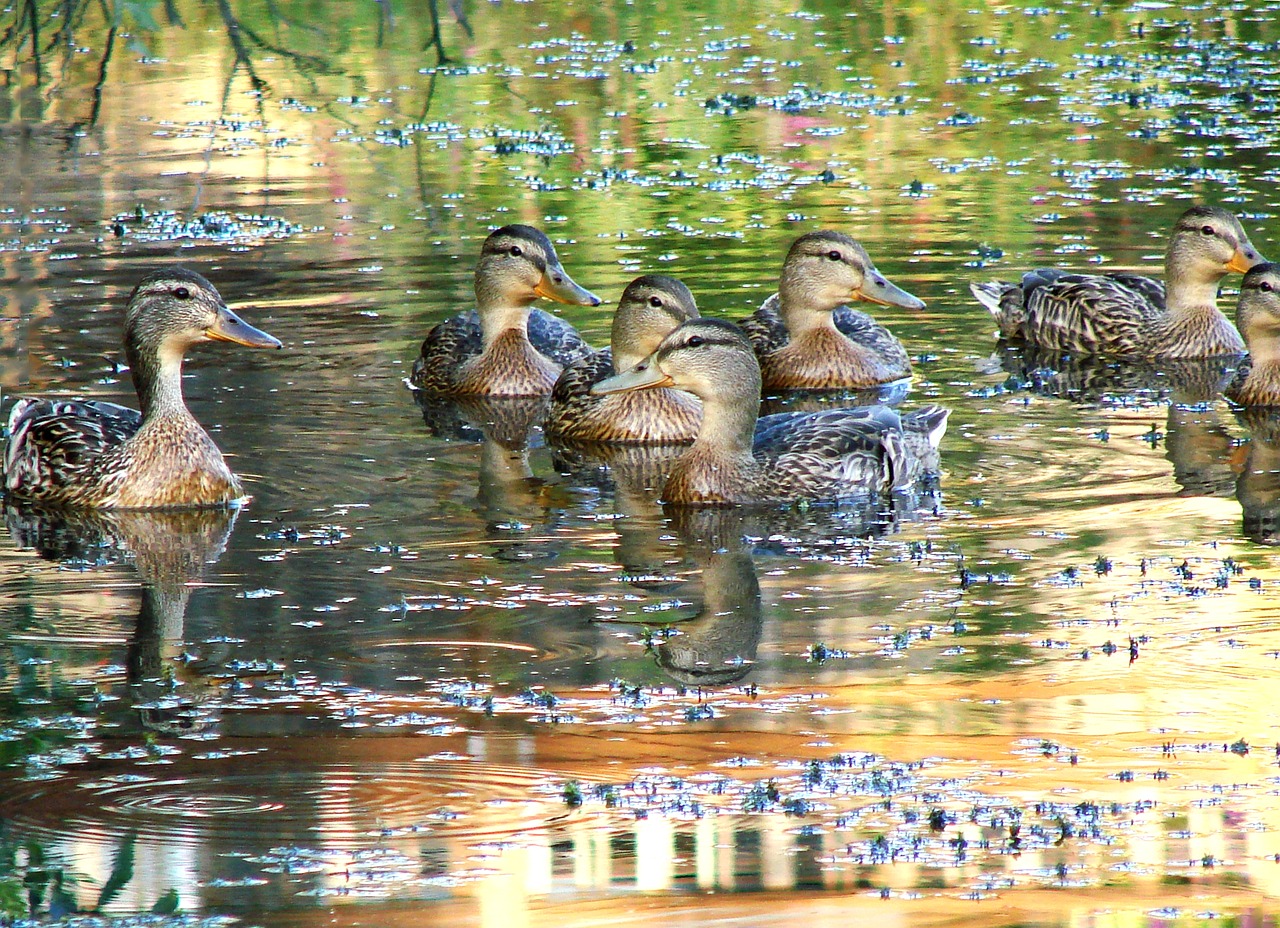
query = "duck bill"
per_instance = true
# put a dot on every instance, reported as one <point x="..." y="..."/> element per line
<point x="559" y="286"/>
<point x="229" y="327"/>
<point x="643" y="376"/>
<point x="883" y="292"/>
<point x="1246" y="256"/>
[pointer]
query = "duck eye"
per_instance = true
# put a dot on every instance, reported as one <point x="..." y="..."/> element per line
<point x="696" y="341"/>
<point x="655" y="301"/>
<point x="516" y="251"/>
<point x="834" y="255"/>
<point x="182" y="293"/>
<point x="1207" y="230"/>
<point x="1265" y="285"/>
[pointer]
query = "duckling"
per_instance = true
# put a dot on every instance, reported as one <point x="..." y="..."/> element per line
<point x="503" y="347"/>
<point x="96" y="454"/>
<point x="804" y="336"/>
<point x="1257" y="380"/>
<point x="650" y="307"/>
<point x="785" y="457"/>
<point x="1125" y="314"/>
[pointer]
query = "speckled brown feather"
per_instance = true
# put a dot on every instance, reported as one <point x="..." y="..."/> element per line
<point x="1254" y="386"/>
<point x="861" y="353"/>
<point x="80" y="454"/>
<point x="871" y="447"/>
<point x="450" y="358"/>
<point x="172" y="462"/>
<point x="447" y="345"/>
<point x="659" y="416"/>
<point x="510" y="367"/>
<point x="835" y="455"/>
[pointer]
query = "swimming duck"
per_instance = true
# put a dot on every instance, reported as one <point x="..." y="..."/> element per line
<point x="785" y="457"/>
<point x="1125" y="314"/>
<point x="91" y="453"/>
<point x="504" y="347"/>
<point x="650" y="307"/>
<point x="1257" y="380"/>
<point x="804" y="335"/>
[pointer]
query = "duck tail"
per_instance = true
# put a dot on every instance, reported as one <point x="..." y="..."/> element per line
<point x="929" y="421"/>
<point x="1004" y="301"/>
<point x="989" y="293"/>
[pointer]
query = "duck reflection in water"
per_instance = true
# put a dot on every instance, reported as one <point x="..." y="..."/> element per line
<point x="710" y="560"/>
<point x="518" y="508"/>
<point x="630" y="479"/>
<point x="1258" y="481"/>
<point x="1197" y="443"/>
<point x="716" y="645"/>
<point x="171" y="549"/>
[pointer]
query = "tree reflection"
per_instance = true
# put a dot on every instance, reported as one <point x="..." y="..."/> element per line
<point x="46" y="38"/>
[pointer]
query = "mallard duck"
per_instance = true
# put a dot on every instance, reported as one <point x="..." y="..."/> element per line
<point x="1125" y="314"/>
<point x="504" y="347"/>
<point x="650" y="307"/>
<point x="804" y="335"/>
<point x="785" y="457"/>
<point x="1257" y="379"/>
<point x="91" y="453"/>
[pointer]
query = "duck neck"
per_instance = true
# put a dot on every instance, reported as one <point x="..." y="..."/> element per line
<point x="157" y="376"/>
<point x="1264" y="356"/>
<point x="728" y="427"/>
<point x="802" y="317"/>
<point x="1188" y="295"/>
<point x="496" y="321"/>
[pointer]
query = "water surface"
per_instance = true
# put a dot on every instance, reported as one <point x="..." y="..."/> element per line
<point x="441" y="674"/>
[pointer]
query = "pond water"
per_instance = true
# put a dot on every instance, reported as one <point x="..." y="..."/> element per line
<point x="439" y="673"/>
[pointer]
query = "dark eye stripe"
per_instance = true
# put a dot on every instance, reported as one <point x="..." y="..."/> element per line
<point x="705" y="340"/>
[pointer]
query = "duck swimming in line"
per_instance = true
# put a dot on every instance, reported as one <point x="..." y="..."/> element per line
<point x="1126" y="314"/>
<point x="504" y="347"/>
<point x="804" y="335"/>
<point x="787" y="457"/>
<point x="97" y="454"/>
<point x="1257" y="379"/>
<point x="650" y="307"/>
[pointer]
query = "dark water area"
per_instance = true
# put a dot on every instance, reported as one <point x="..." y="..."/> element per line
<point x="439" y="672"/>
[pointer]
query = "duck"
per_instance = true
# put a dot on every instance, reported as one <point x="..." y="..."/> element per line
<point x="1122" y="314"/>
<point x="94" y="454"/>
<point x="1257" y="379"/>
<point x="783" y="458"/>
<point x="650" y="307"/>
<point x="505" y="347"/>
<point x="806" y="338"/>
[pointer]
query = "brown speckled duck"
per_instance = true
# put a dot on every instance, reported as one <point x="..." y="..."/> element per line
<point x="787" y="457"/>
<point x="1126" y="314"/>
<point x="1257" y="380"/>
<point x="804" y="335"/>
<point x="91" y="453"/>
<point x="504" y="347"/>
<point x="650" y="307"/>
